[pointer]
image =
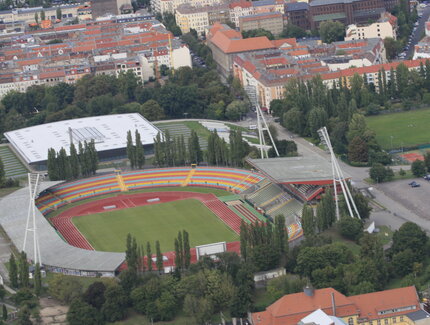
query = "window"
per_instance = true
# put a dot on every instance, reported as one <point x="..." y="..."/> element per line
<point x="386" y="321"/>
<point x="401" y="318"/>
<point x="394" y="319"/>
<point x="350" y="321"/>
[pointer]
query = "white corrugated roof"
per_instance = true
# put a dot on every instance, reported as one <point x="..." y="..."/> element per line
<point x="108" y="131"/>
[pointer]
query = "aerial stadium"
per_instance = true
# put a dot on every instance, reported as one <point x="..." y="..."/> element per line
<point x="82" y="225"/>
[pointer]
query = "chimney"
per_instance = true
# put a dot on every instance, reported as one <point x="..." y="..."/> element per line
<point x="333" y="304"/>
<point x="308" y="290"/>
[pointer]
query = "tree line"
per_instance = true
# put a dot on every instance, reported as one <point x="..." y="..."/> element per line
<point x="67" y="167"/>
<point x="196" y="93"/>
<point x="174" y="151"/>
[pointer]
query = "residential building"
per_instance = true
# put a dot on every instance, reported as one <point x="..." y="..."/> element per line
<point x="265" y="6"/>
<point x="109" y="45"/>
<point x="271" y="21"/>
<point x="386" y="26"/>
<point x="109" y="7"/>
<point x="27" y="15"/>
<point x="396" y="306"/>
<point x="297" y="13"/>
<point x="422" y="49"/>
<point x="170" y="6"/>
<point x="348" y="11"/>
<point x="225" y="43"/>
<point x="239" y="9"/>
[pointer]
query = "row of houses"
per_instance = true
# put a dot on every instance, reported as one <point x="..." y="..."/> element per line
<point x="267" y="65"/>
<point x="109" y="45"/>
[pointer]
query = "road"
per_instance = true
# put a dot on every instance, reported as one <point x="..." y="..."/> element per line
<point x="394" y="214"/>
<point x="419" y="31"/>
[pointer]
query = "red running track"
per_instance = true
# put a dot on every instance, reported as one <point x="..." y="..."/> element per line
<point x="63" y="222"/>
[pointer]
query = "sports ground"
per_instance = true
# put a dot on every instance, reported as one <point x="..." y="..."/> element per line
<point x="404" y="129"/>
<point x="106" y="231"/>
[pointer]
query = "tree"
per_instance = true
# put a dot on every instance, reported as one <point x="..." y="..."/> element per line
<point x="358" y="150"/>
<point x="152" y="111"/>
<point x="64" y="288"/>
<point x="427" y="159"/>
<point x="52" y="165"/>
<point x="139" y="152"/>
<point x="291" y="30"/>
<point x="195" y="153"/>
<point x="392" y="47"/>
<point x="362" y="204"/>
<point x="24" y="316"/>
<point x="36" y="17"/>
<point x="81" y="313"/>
<point x="42" y="15"/>
<point x="199" y="308"/>
<point x="94" y="295"/>
<point x="257" y="33"/>
<point x="149" y="256"/>
<point x="37" y="280"/>
<point x="13" y="271"/>
<point x="159" y="261"/>
<point x="379" y="173"/>
<point x="59" y="14"/>
<point x="4" y="312"/>
<point x="74" y="162"/>
<point x="418" y="168"/>
<point x="350" y="228"/>
<point x="131" y="254"/>
<point x="308" y="221"/>
<point x="131" y="150"/>
<point x="115" y="307"/>
<point x="23" y="275"/>
<point x="186" y="250"/>
<point x="235" y="110"/>
<point x="410" y="236"/>
<point x="331" y="31"/>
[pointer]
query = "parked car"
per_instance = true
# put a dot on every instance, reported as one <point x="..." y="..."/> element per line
<point x="412" y="183"/>
<point x="416" y="185"/>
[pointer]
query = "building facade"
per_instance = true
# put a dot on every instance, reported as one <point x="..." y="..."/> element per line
<point x="386" y="26"/>
<point x="271" y="21"/>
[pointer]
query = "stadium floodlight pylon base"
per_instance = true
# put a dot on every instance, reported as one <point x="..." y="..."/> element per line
<point x="33" y="185"/>
<point x="338" y="177"/>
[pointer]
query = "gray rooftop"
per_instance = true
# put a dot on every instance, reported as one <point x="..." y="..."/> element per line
<point x="295" y="169"/>
<point x="54" y="251"/>
<point x="315" y="3"/>
<point x="418" y="315"/>
<point x="294" y="6"/>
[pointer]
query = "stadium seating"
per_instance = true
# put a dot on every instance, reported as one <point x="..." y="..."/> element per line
<point x="291" y="208"/>
<point x="230" y="218"/>
<point x="223" y="178"/>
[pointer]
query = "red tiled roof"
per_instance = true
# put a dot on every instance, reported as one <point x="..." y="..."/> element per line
<point x="227" y="45"/>
<point x="279" y="42"/>
<point x="372" y="303"/>
<point x="242" y="4"/>
<point x="261" y="17"/>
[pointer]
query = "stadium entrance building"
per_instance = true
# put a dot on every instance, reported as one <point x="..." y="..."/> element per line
<point x="109" y="133"/>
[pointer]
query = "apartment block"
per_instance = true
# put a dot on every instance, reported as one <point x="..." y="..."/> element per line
<point x="271" y="21"/>
<point x="386" y="26"/>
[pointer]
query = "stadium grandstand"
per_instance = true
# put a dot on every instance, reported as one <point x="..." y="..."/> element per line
<point x="109" y="133"/>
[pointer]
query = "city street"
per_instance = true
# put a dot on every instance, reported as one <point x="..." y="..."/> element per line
<point x="419" y="31"/>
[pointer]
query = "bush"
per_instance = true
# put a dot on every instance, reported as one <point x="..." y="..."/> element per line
<point x="418" y="168"/>
<point x="350" y="228"/>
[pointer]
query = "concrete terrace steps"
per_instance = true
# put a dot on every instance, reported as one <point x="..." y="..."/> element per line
<point x="178" y="129"/>
<point x="12" y="165"/>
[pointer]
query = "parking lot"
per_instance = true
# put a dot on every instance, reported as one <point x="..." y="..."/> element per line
<point x="415" y="199"/>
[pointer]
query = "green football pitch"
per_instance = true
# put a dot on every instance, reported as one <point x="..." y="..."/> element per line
<point x="404" y="129"/>
<point x="107" y="231"/>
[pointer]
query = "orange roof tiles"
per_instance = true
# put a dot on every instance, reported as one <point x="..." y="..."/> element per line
<point x="242" y="4"/>
<point x="280" y="42"/>
<point x="290" y="309"/>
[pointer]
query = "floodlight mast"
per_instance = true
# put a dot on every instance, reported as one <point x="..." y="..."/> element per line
<point x="261" y="122"/>
<point x="33" y="185"/>
<point x="338" y="177"/>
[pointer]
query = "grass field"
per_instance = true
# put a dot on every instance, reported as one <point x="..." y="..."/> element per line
<point x="407" y="128"/>
<point x="107" y="231"/>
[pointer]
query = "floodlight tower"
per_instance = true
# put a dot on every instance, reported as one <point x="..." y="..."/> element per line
<point x="261" y="122"/>
<point x="33" y="185"/>
<point x="338" y="177"/>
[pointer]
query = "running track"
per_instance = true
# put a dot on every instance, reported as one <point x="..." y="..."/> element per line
<point x="64" y="225"/>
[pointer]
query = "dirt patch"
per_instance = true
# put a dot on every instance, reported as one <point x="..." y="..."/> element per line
<point x="52" y="312"/>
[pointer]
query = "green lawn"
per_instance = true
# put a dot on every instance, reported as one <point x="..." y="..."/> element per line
<point x="214" y="191"/>
<point x="407" y="128"/>
<point x="107" y="231"/>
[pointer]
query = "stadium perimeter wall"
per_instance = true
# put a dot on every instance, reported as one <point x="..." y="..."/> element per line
<point x="57" y="255"/>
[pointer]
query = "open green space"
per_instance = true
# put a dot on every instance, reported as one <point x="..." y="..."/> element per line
<point x="404" y="129"/>
<point x="107" y="231"/>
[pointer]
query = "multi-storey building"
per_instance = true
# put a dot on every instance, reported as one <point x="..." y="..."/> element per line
<point x="111" y="45"/>
<point x="170" y="6"/>
<point x="109" y="7"/>
<point x="347" y="11"/>
<point x="271" y="21"/>
<point x="239" y="9"/>
<point x="297" y="13"/>
<point x="386" y="26"/>
<point x="397" y="306"/>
